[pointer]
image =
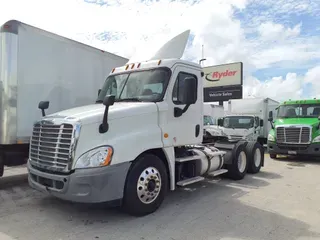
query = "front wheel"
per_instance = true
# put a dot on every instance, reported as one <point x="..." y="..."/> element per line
<point x="146" y="185"/>
<point x="273" y="156"/>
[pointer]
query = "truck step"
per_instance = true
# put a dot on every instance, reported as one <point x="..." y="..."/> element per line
<point x="190" y="181"/>
<point x="188" y="158"/>
<point x="217" y="172"/>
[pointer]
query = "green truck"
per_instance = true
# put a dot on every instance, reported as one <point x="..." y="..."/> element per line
<point x="295" y="129"/>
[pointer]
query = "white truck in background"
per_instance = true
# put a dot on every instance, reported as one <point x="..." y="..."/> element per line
<point x="211" y="115"/>
<point x="215" y="111"/>
<point x="38" y="65"/>
<point x="142" y="137"/>
<point x="248" y="119"/>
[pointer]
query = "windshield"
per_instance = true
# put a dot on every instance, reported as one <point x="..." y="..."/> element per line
<point x="238" y="122"/>
<point x="207" y="120"/>
<point x="146" y="86"/>
<point x="299" y="110"/>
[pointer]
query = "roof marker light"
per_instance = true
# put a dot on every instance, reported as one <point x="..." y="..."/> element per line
<point x="132" y="66"/>
<point x="159" y="62"/>
<point x="138" y="65"/>
<point x="113" y="70"/>
<point x="127" y="67"/>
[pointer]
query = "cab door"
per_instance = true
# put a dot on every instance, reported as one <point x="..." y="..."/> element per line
<point x="184" y="123"/>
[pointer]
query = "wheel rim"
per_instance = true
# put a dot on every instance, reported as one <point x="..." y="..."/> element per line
<point x="149" y="185"/>
<point x="242" y="161"/>
<point x="257" y="157"/>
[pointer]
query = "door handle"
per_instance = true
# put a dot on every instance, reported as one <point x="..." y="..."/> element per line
<point x="197" y="130"/>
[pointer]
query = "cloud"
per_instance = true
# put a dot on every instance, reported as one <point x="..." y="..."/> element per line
<point x="262" y="34"/>
<point x="270" y="31"/>
<point x="282" y="88"/>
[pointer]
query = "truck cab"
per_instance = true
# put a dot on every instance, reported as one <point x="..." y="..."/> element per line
<point x="295" y="129"/>
<point x="211" y="130"/>
<point x="238" y="127"/>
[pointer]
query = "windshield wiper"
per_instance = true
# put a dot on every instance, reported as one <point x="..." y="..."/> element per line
<point x="129" y="100"/>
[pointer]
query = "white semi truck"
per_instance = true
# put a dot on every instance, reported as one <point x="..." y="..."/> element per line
<point x="211" y="130"/>
<point x="248" y="119"/>
<point x="36" y="65"/>
<point x="142" y="137"/>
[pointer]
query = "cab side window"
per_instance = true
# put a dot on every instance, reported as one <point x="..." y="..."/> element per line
<point x="178" y="88"/>
<point x="257" y="121"/>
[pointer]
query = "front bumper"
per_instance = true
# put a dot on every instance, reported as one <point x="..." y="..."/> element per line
<point x="307" y="150"/>
<point x="93" y="185"/>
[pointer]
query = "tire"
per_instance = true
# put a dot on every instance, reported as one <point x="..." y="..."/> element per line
<point x="255" y="154"/>
<point x="235" y="171"/>
<point x="136" y="201"/>
<point x="1" y="165"/>
<point x="273" y="156"/>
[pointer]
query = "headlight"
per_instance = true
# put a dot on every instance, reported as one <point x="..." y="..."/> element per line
<point x="97" y="157"/>
<point x="271" y="138"/>
<point x="316" y="139"/>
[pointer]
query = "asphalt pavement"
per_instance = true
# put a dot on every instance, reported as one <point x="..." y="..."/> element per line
<point x="280" y="202"/>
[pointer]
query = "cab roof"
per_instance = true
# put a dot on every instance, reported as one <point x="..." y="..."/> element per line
<point x="301" y="101"/>
<point x="169" y="63"/>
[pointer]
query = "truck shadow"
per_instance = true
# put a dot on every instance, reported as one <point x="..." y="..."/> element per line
<point x="299" y="161"/>
<point x="7" y="182"/>
<point x="212" y="208"/>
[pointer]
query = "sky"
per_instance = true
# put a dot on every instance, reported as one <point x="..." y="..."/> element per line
<point x="278" y="41"/>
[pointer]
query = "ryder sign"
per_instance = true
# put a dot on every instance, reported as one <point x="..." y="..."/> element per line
<point x="223" y="82"/>
<point x="223" y="75"/>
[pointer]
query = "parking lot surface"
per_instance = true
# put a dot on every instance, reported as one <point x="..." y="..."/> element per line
<point x="280" y="202"/>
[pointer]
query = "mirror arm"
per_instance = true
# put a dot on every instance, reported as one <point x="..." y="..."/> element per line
<point x="271" y="123"/>
<point x="178" y="111"/>
<point x="104" y="126"/>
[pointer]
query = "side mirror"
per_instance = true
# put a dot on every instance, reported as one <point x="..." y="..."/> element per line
<point x="43" y="105"/>
<point x="107" y="101"/>
<point x="261" y="122"/>
<point x="220" y="121"/>
<point x="188" y="88"/>
<point x="270" y="119"/>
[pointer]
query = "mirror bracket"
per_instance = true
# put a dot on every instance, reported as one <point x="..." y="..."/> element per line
<point x="178" y="111"/>
<point x="108" y="101"/>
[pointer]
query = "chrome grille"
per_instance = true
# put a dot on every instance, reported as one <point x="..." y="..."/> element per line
<point x="236" y="137"/>
<point x="50" y="146"/>
<point x="293" y="135"/>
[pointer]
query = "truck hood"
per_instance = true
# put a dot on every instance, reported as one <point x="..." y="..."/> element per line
<point x="237" y="131"/>
<point x="213" y="130"/>
<point x="290" y="121"/>
<point x="94" y="113"/>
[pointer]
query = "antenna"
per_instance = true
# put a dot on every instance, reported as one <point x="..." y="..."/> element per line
<point x="202" y="59"/>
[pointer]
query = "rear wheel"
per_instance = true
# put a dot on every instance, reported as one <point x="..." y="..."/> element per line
<point x="146" y="185"/>
<point x="238" y="169"/>
<point x="1" y="165"/>
<point x="255" y="153"/>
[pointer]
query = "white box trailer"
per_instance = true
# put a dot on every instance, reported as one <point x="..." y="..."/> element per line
<point x="249" y="118"/>
<point x="38" y="65"/>
<point x="215" y="111"/>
